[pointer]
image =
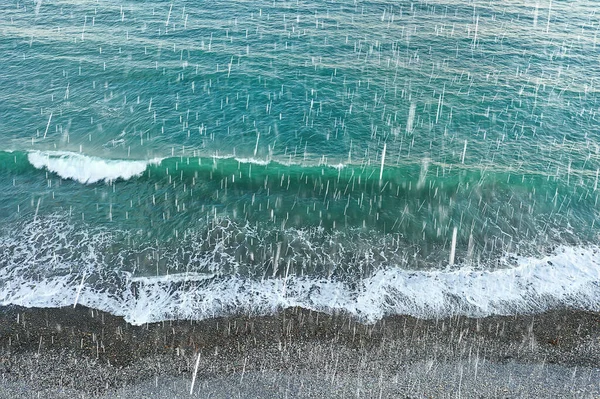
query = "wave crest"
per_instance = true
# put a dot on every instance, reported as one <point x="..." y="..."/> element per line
<point x="87" y="169"/>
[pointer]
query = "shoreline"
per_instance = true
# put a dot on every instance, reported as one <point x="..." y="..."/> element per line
<point x="87" y="353"/>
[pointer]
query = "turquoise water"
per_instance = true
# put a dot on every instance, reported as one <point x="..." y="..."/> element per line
<point x="185" y="159"/>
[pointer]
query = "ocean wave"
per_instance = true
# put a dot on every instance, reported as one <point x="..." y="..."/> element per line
<point x="569" y="277"/>
<point x="40" y="273"/>
<point x="87" y="169"/>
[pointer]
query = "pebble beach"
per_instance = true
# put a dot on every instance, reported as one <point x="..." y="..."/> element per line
<point x="84" y="353"/>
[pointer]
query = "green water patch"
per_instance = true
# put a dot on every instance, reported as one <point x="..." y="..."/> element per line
<point x="407" y="213"/>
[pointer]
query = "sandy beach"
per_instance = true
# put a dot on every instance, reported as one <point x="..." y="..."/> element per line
<point x="84" y="353"/>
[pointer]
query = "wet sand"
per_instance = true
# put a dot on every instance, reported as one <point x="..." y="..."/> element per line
<point x="83" y="353"/>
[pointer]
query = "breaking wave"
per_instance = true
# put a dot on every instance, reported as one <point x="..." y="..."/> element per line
<point x="41" y="273"/>
<point x="86" y="169"/>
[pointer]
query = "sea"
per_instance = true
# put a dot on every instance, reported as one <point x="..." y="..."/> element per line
<point x="188" y="159"/>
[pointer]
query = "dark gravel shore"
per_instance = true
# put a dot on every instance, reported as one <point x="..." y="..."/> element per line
<point x="84" y="353"/>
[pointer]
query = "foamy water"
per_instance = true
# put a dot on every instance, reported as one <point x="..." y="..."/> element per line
<point x="35" y="276"/>
<point x="86" y="169"/>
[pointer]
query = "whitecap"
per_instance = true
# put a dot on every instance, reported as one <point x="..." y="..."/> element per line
<point x="87" y="169"/>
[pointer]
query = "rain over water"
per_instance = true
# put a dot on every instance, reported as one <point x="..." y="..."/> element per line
<point x="186" y="159"/>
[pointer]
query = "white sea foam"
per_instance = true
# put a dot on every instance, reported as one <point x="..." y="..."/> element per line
<point x="569" y="277"/>
<point x="280" y="161"/>
<point x="43" y="264"/>
<point x="262" y="162"/>
<point x="86" y="169"/>
<point x="173" y="278"/>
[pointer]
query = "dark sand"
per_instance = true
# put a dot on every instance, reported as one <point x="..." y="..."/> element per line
<point x="83" y="353"/>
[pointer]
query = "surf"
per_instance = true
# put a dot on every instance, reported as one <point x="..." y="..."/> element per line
<point x="54" y="263"/>
<point x="87" y="169"/>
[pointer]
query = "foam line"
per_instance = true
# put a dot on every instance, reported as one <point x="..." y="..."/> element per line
<point x="43" y="264"/>
<point x="570" y="277"/>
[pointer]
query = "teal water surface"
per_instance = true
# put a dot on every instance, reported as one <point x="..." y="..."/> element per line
<point x="323" y="140"/>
